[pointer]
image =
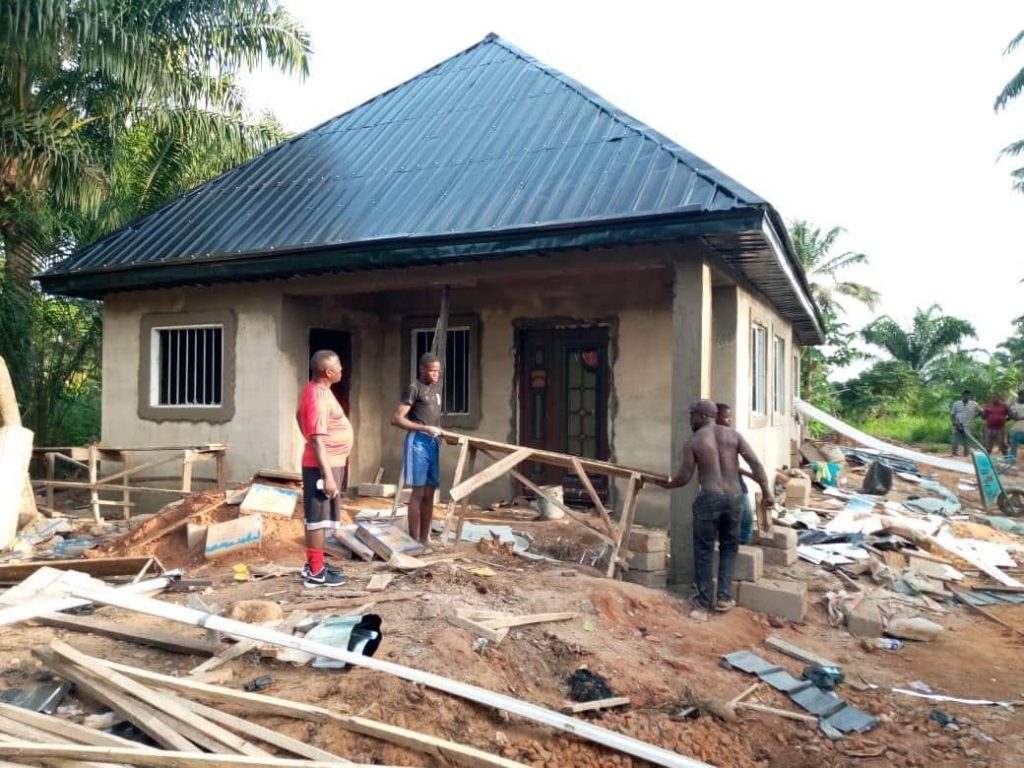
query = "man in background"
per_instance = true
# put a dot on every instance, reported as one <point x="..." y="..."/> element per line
<point x="724" y="419"/>
<point x="996" y="413"/>
<point x="1017" y="429"/>
<point x="962" y="414"/>
<point x="419" y="414"/>
<point x="329" y="439"/>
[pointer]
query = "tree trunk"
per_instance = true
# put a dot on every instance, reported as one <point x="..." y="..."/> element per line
<point x="11" y="417"/>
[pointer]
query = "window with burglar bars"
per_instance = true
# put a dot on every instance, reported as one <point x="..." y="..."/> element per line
<point x="779" y="389"/>
<point x="759" y="368"/>
<point x="188" y="366"/>
<point x="456" y="369"/>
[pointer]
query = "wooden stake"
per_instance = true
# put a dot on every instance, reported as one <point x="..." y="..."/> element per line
<point x="157" y="759"/>
<point x="590" y="706"/>
<point x="581" y="473"/>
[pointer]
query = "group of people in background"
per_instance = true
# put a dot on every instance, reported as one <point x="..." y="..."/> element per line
<point x="1003" y="426"/>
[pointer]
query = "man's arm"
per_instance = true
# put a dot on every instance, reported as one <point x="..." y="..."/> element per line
<point x="401" y="420"/>
<point x="685" y="471"/>
<point x="756" y="471"/>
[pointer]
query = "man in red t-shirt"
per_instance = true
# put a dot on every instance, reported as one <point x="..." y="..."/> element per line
<point x="329" y="438"/>
<point x="996" y="413"/>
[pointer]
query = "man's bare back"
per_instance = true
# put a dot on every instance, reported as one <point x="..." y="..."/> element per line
<point x="713" y="451"/>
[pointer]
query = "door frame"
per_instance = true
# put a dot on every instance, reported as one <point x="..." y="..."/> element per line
<point x="574" y="489"/>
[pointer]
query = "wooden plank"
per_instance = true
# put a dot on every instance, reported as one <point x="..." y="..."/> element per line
<point x="40" y="604"/>
<point x="441" y="750"/>
<point x="796" y="652"/>
<point x="488" y="474"/>
<point x="561" y="505"/>
<point x="163" y="759"/>
<point x="556" y="459"/>
<point x="112" y="487"/>
<point x="460" y="468"/>
<point x="626" y="744"/>
<point x="175" y="642"/>
<point x="94" y="469"/>
<point x="350" y="602"/>
<point x="58" y="726"/>
<point x="986" y="613"/>
<point x="379" y="582"/>
<point x="589" y="706"/>
<point x="581" y="473"/>
<point x="533" y="618"/>
<point x="799" y="716"/>
<point x="197" y="729"/>
<point x="489" y="633"/>
<point x="628" y="500"/>
<point x="102" y="567"/>
<point x="997" y="588"/>
<point x="142" y="716"/>
<point x="279" y="740"/>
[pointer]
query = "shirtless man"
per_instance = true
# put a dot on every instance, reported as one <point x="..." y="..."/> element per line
<point x="713" y="451"/>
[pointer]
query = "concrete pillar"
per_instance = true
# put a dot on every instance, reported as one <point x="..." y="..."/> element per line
<point x="691" y="379"/>
<point x="724" y="362"/>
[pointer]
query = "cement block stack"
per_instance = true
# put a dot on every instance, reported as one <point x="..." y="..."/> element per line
<point x="780" y="597"/>
<point x="648" y="557"/>
<point x="778" y="547"/>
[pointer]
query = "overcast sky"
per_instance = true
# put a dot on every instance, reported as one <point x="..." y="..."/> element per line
<point x="876" y="116"/>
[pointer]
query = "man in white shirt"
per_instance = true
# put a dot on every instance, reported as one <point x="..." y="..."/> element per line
<point x="962" y="414"/>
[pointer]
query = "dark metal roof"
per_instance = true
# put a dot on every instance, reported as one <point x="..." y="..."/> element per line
<point x="489" y="153"/>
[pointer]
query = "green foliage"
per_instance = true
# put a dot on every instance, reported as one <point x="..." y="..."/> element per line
<point x="1011" y="91"/>
<point x="109" y="109"/>
<point x="930" y="336"/>
<point x="887" y="389"/>
<point x="932" y="431"/>
<point x="823" y="269"/>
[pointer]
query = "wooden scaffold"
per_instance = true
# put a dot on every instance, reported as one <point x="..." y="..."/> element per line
<point x="506" y="458"/>
<point x="89" y="459"/>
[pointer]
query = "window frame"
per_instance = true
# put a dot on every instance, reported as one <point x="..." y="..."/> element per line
<point x="149" y="362"/>
<point x="758" y="378"/>
<point x="779" y="361"/>
<point x="408" y="369"/>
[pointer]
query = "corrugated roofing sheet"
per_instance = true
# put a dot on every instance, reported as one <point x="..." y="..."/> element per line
<point x="490" y="141"/>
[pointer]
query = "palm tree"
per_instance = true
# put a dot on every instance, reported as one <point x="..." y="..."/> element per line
<point x="1011" y="91"/>
<point x="931" y="336"/>
<point x="814" y="250"/>
<point x="74" y="75"/>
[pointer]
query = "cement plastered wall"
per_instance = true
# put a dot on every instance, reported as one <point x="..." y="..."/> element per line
<point x="253" y="434"/>
<point x="635" y="308"/>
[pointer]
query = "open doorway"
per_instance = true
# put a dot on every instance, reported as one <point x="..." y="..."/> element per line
<point x="339" y="342"/>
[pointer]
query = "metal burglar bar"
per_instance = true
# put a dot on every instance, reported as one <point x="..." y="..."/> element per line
<point x="191" y="364"/>
<point x="456" y="366"/>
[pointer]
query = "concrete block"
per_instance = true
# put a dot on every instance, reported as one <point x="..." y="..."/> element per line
<point x="865" y="620"/>
<point x="779" y="537"/>
<point x="774" y="556"/>
<point x="652" y="579"/>
<point x="647" y="540"/>
<point x="798" y="492"/>
<point x="383" y="490"/>
<point x="776" y="597"/>
<point x="647" y="561"/>
<point x="749" y="564"/>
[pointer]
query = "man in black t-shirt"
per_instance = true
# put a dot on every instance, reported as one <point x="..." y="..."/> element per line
<point x="419" y="414"/>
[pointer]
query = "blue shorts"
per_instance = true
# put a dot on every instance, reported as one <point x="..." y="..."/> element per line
<point x="422" y="460"/>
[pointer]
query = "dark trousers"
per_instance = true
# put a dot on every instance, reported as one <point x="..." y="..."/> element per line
<point x="716" y="515"/>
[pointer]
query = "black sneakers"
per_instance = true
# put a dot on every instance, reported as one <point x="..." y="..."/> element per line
<point x="327" y="577"/>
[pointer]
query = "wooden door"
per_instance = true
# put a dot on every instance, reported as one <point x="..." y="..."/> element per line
<point x="563" y="396"/>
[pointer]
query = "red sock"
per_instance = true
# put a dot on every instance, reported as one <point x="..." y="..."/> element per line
<point x="315" y="558"/>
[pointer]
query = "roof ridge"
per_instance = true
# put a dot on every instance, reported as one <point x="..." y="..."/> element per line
<point x="697" y="164"/>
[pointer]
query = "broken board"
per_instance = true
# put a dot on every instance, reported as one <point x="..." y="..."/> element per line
<point x="271" y="500"/>
<point x="233" y="535"/>
<point x="344" y="537"/>
<point x="386" y="538"/>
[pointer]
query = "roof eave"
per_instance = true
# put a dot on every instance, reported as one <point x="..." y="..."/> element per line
<point x="399" y="252"/>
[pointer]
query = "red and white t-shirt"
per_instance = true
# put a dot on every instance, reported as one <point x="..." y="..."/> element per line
<point x="320" y="413"/>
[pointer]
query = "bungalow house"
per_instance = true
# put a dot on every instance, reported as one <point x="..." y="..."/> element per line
<point x="601" y="277"/>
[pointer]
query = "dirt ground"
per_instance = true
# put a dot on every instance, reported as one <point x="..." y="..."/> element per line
<point x="643" y="641"/>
